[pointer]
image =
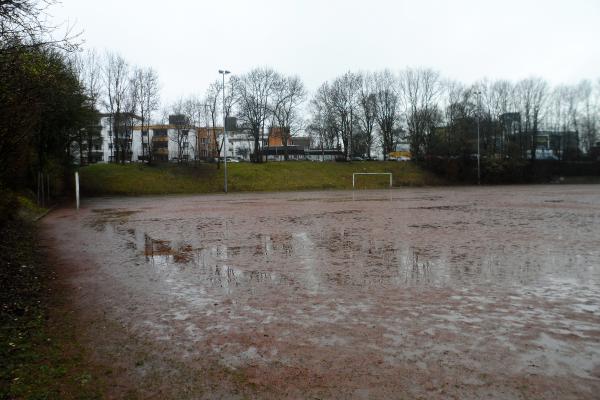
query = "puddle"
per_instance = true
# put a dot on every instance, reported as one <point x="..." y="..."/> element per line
<point x="163" y="250"/>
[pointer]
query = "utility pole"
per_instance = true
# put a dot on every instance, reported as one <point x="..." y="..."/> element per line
<point x="224" y="72"/>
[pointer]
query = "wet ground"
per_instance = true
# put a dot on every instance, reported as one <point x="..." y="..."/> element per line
<point x="409" y="293"/>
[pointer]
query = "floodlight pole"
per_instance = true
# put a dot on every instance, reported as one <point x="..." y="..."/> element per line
<point x="478" y="93"/>
<point x="224" y="72"/>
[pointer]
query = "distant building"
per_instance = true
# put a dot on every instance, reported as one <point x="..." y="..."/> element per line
<point x="118" y="138"/>
<point x="301" y="141"/>
<point x="122" y="139"/>
<point x="279" y="135"/>
<point x="166" y="142"/>
<point x="324" y="155"/>
<point x="281" y="143"/>
<point x="208" y="142"/>
<point x="511" y="123"/>
<point x="240" y="144"/>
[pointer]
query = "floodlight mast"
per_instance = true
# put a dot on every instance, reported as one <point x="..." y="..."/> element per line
<point x="224" y="72"/>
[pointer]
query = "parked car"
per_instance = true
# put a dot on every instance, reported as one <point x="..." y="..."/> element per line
<point x="357" y="158"/>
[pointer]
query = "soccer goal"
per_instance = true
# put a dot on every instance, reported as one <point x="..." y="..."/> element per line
<point x="370" y="173"/>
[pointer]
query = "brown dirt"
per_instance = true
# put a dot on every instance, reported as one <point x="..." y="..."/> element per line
<point x="460" y="293"/>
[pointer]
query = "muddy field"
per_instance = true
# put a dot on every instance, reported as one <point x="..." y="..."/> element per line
<point x="462" y="293"/>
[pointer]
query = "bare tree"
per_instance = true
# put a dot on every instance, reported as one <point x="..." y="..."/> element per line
<point x="502" y="98"/>
<point x="387" y="109"/>
<point x="89" y="68"/>
<point x="288" y="96"/>
<point x="343" y="100"/>
<point x="180" y="120"/>
<point x="590" y="109"/>
<point x="254" y="92"/>
<point x="420" y="89"/>
<point x="323" y="126"/>
<point x="338" y="103"/>
<point x="146" y="89"/>
<point x="25" y="24"/>
<point x="367" y="110"/>
<point x="532" y="95"/>
<point x="558" y="108"/>
<point x="460" y="107"/>
<point x="89" y="72"/>
<point x="212" y="108"/>
<point x="213" y="103"/>
<point x="195" y="109"/>
<point x="120" y="105"/>
<point x="326" y="117"/>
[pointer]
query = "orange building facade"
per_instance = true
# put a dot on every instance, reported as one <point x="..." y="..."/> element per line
<point x="277" y="136"/>
<point x="207" y="144"/>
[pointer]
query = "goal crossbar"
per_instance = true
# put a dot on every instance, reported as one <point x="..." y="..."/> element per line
<point x="370" y="173"/>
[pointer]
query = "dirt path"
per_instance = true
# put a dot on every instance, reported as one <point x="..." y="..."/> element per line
<point x="414" y="293"/>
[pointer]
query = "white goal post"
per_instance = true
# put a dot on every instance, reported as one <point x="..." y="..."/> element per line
<point x="370" y="173"/>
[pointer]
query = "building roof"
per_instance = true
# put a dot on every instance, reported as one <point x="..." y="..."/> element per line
<point x="132" y="115"/>
<point x="162" y="126"/>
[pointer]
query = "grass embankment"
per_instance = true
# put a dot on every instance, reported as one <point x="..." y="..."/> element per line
<point x="40" y="359"/>
<point x="139" y="179"/>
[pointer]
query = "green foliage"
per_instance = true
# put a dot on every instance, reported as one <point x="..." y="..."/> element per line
<point x="43" y="107"/>
<point x="137" y="179"/>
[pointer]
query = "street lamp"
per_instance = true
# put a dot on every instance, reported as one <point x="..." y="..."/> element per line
<point x="478" y="93"/>
<point x="224" y="72"/>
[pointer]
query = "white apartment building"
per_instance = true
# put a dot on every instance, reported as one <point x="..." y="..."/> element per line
<point x="240" y="144"/>
<point x="168" y="142"/>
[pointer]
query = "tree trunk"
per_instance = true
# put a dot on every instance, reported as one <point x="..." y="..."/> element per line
<point x="256" y="150"/>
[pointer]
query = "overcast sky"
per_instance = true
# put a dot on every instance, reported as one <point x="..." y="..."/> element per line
<point x="188" y="41"/>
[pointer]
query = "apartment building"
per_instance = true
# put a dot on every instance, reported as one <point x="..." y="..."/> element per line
<point x="123" y="139"/>
<point x="208" y="142"/>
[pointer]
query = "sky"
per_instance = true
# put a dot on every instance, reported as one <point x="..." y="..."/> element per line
<point x="187" y="42"/>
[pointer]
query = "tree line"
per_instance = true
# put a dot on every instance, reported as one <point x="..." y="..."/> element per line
<point x="369" y="113"/>
<point x="43" y="104"/>
<point x="361" y="113"/>
<point x="438" y="116"/>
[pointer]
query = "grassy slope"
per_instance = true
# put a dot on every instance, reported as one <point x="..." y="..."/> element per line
<point x="137" y="179"/>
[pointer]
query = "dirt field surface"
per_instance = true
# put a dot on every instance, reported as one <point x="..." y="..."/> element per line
<point x="464" y="293"/>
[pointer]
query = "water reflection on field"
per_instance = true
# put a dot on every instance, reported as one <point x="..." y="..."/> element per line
<point x="387" y="239"/>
